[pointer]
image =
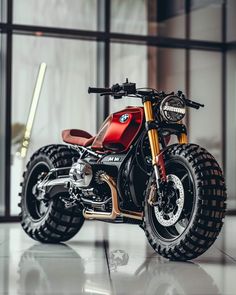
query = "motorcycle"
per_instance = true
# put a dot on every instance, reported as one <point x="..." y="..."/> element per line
<point x="129" y="173"/>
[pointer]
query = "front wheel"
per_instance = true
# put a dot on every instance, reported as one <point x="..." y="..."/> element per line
<point x="186" y="221"/>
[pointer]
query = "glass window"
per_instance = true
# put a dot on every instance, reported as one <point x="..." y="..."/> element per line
<point x="231" y="129"/>
<point x="127" y="61"/>
<point x="160" y="68"/>
<point x="205" y="124"/>
<point x="171" y="69"/>
<point x="206" y="20"/>
<point x="171" y="72"/>
<point x="76" y="14"/>
<point x="3" y="10"/>
<point x="171" y="18"/>
<point x="231" y="20"/>
<point x="163" y="18"/>
<point x="129" y="16"/>
<point x="64" y="101"/>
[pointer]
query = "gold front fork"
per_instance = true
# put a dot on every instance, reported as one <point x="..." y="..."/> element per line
<point x="157" y="159"/>
<point x="183" y="138"/>
<point x="155" y="148"/>
<point x="152" y="134"/>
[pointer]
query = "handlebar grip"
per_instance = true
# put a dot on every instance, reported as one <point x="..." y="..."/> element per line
<point x="98" y="90"/>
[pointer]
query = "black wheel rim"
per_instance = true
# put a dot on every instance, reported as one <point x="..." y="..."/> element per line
<point x="171" y="233"/>
<point x="37" y="209"/>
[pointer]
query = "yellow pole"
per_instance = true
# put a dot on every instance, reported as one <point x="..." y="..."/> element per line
<point x="33" y="109"/>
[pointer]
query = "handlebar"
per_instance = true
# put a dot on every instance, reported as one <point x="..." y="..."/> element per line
<point x="127" y="89"/>
<point x="98" y="90"/>
<point x="116" y="90"/>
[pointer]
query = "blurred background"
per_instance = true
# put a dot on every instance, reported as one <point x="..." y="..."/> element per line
<point x="169" y="45"/>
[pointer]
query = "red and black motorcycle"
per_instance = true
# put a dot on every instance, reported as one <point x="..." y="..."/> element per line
<point x="129" y="173"/>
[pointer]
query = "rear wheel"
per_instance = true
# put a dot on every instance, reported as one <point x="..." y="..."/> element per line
<point x="47" y="222"/>
<point x="186" y="221"/>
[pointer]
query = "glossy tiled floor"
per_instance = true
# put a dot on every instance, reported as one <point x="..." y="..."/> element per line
<point x="112" y="259"/>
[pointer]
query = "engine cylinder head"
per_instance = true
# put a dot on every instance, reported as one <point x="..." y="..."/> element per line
<point x="81" y="174"/>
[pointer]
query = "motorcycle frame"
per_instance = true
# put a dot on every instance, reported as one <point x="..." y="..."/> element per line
<point x="152" y="127"/>
<point x="157" y="162"/>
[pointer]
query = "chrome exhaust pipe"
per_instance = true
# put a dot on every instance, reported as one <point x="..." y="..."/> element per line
<point x="49" y="188"/>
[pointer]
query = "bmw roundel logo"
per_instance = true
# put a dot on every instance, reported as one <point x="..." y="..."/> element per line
<point x="124" y="118"/>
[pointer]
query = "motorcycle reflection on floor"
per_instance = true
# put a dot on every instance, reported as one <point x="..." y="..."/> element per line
<point x="41" y="272"/>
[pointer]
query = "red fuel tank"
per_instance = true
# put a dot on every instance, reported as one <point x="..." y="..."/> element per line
<point x="119" y="130"/>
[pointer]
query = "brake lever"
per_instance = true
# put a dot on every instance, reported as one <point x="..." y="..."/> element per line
<point x="106" y="93"/>
<point x="193" y="104"/>
<point x="162" y="93"/>
<point x="119" y="94"/>
<point x="116" y="95"/>
<point x="189" y="102"/>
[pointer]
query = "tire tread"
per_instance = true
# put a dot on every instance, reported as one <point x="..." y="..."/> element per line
<point x="61" y="224"/>
<point x="208" y="221"/>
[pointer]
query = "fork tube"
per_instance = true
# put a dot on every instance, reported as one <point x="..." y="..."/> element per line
<point x="183" y="138"/>
<point x="152" y="133"/>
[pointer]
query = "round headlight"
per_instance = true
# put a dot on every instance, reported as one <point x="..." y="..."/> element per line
<point x="172" y="108"/>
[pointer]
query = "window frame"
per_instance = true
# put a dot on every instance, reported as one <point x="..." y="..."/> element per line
<point x="8" y="28"/>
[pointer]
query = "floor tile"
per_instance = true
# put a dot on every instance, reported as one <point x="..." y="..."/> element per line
<point x="111" y="259"/>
